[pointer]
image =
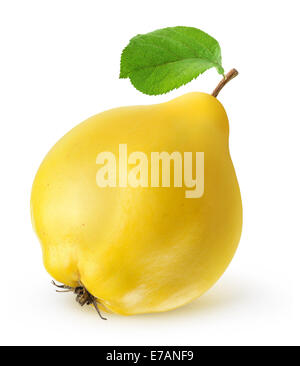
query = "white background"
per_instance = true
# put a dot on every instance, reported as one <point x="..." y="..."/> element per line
<point x="59" y="64"/>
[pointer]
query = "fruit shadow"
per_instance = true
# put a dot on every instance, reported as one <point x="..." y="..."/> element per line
<point x="225" y="294"/>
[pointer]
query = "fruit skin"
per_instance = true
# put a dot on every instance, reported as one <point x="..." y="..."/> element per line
<point x="139" y="250"/>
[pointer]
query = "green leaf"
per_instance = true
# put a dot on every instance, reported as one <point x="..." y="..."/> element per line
<point x="168" y="58"/>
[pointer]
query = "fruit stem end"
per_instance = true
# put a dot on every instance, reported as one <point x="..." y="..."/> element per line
<point x="231" y="75"/>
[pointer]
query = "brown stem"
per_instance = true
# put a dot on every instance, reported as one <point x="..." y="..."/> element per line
<point x="231" y="75"/>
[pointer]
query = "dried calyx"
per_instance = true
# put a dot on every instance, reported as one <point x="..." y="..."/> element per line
<point x="83" y="297"/>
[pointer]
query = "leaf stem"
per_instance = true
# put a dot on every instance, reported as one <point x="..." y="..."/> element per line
<point x="231" y="75"/>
